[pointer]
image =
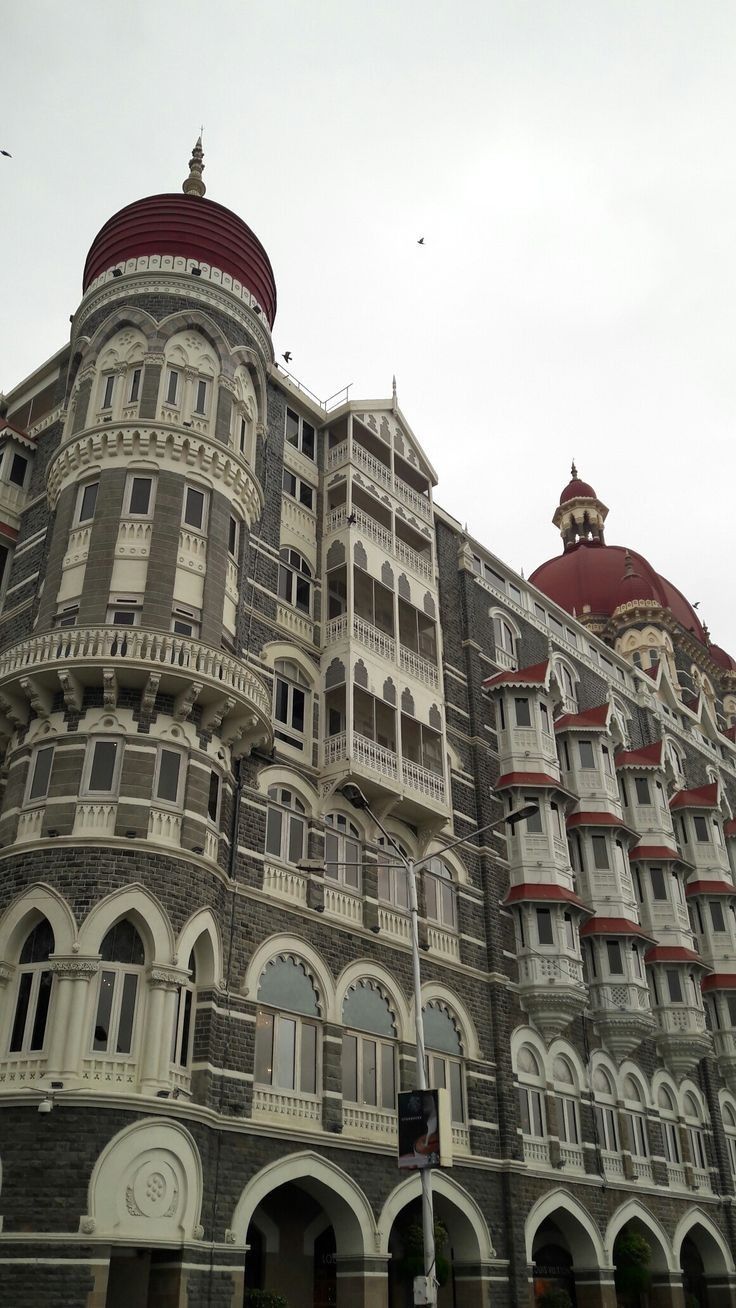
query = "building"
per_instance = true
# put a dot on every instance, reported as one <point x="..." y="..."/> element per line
<point x="222" y="600"/>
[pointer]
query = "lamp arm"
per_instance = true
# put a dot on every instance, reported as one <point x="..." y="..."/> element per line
<point x="464" y="840"/>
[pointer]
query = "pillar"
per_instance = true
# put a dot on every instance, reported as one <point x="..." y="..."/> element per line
<point x="362" y="1282"/>
<point x="721" y="1290"/>
<point x="594" y="1289"/>
<point x="157" y="1037"/>
<point x="472" y="1285"/>
<point x="70" y="1014"/>
<point x="666" y="1291"/>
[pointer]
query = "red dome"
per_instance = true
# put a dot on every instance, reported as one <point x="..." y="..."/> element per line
<point x="577" y="489"/>
<point x="595" y="578"/>
<point x="722" y="658"/>
<point x="193" y="228"/>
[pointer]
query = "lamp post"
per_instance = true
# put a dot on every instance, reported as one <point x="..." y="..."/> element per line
<point x="354" y="795"/>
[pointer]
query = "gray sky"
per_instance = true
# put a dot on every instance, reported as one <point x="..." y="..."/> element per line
<point x="570" y="164"/>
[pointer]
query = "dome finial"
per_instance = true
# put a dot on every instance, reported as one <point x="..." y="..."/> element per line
<point x="194" y="184"/>
<point x="573" y="470"/>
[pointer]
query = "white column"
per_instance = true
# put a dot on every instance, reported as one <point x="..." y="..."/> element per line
<point x="73" y="976"/>
<point x="155" y="1053"/>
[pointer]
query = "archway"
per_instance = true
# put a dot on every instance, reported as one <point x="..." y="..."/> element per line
<point x="464" y="1247"/>
<point x="646" y="1270"/>
<point x="311" y="1233"/>
<point x="565" y="1252"/>
<point x="707" y="1267"/>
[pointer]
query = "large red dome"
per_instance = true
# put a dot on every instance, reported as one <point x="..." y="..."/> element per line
<point x="193" y="228"/>
<point x="577" y="489"/>
<point x="593" y="578"/>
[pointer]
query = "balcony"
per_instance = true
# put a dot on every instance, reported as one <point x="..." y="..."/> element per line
<point x="676" y="1176"/>
<point x="363" y="1122"/>
<point x="419" y="785"/>
<point x="572" y="1156"/>
<point x="536" y="1152"/>
<point x="235" y="702"/>
<point x="682" y="1038"/>
<point x="622" y="1014"/>
<point x="552" y="990"/>
<point x="394" y="923"/>
<point x="421" y="564"/>
<point x="418" y="667"/>
<point x="643" y="1169"/>
<point x="380" y="472"/>
<point x="287" y="1107"/>
<point x="613" y="1165"/>
<point x="442" y="942"/>
<point x="343" y="904"/>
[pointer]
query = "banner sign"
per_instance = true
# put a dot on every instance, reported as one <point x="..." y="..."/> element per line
<point x="425" y="1130"/>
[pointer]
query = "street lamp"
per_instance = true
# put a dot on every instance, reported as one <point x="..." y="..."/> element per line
<point x="354" y="796"/>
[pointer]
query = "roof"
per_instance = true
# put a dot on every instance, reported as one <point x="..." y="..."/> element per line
<point x="709" y="888"/>
<point x="656" y="854"/>
<point x="702" y="797"/>
<point x="673" y="954"/>
<point x="597" y="818"/>
<point x="589" y="720"/>
<point x="190" y="227"/>
<point x="719" y="981"/>
<point x="729" y="828"/>
<point x="9" y="429"/>
<point x="649" y="757"/>
<point x="529" y="779"/>
<point x="722" y="658"/>
<point x="614" y="926"/>
<point x="577" y="489"/>
<point x="536" y="675"/>
<point x="537" y="892"/>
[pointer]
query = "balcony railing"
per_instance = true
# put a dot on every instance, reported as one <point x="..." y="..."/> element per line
<point x="613" y="1164"/>
<point x="643" y="1169"/>
<point x="341" y="903"/>
<point x="380" y="473"/>
<point x="419" y="778"/>
<point x="394" y="923"/>
<point x="676" y="1176"/>
<point x="572" y="1156"/>
<point x="285" y="883"/>
<point x="683" y="1020"/>
<point x="418" y="667"/>
<point x="370" y="1123"/>
<point x="373" y="638"/>
<point x="443" y="942"/>
<point x="536" y="1152"/>
<point x="286" y="1106"/>
<point x="420" y="563"/>
<point x="369" y="754"/>
<point x="538" y="969"/>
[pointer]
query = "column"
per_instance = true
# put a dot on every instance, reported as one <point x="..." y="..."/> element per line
<point x="721" y="1289"/>
<point x="594" y="1288"/>
<point x="666" y="1291"/>
<point x="473" y="1285"/>
<point x="157" y="1037"/>
<point x="70" y="1014"/>
<point x="363" y="1282"/>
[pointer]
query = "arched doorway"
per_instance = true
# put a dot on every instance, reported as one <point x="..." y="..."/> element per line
<point x="694" y="1282"/>
<point x="642" y="1258"/>
<point x="464" y="1249"/>
<point x="553" y="1265"/>
<point x="563" y="1248"/>
<point x="705" y="1261"/>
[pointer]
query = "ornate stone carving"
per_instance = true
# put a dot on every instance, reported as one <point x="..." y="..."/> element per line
<point x="76" y="969"/>
<point x="87" y="1225"/>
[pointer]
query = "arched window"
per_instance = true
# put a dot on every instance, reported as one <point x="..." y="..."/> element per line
<point x="620" y="725"/>
<point x="606" y="1116"/>
<point x="728" y="1113"/>
<point x="566" y="1089"/>
<point x="439" y="894"/>
<point x="123" y="957"/>
<point x="568" y="687"/>
<point x="505" y="638"/>
<point x="343" y="851"/>
<point x="695" y="1130"/>
<point x="286" y="1027"/>
<point x="295" y="580"/>
<point x="444" y="1055"/>
<point x="531" y="1094"/>
<point x="393" y="876"/>
<point x="291" y="704"/>
<point x="34" y="991"/>
<point x="670" y="1131"/>
<point x="369" y="1049"/>
<point x="674" y="758"/>
<point x="635" y="1115"/>
<point x="181" y="1053"/>
<point x="286" y="825"/>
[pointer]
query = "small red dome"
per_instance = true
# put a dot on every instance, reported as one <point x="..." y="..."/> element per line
<point x="723" y="659"/>
<point x="190" y="227"/>
<point x="577" y="489"/>
<point x="594" y="578"/>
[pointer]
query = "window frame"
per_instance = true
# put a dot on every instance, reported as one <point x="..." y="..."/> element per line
<point x="130" y="480"/>
<point x="284" y="730"/>
<point x="291" y="574"/>
<point x="298" y="442"/>
<point x="300" y="487"/>
<point x="444" y="894"/>
<point x="158" y="800"/>
<point x="85" y="790"/>
<point x="345" y="833"/>
<point x="277" y="1018"/>
<point x="291" y="815"/>
<point x="196" y="489"/>
<point x="29" y="800"/>
<point x="79" y="521"/>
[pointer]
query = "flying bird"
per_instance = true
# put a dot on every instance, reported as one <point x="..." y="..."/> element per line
<point x="286" y="356"/>
<point x="420" y="241"/>
<point x="7" y="154"/>
<point x="696" y="605"/>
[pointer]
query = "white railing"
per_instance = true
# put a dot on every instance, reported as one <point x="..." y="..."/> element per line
<point x="686" y="1019"/>
<point x="443" y="942"/>
<point x="419" y="503"/>
<point x="335" y="748"/>
<point x="537" y="968"/>
<point x="460" y="1138"/>
<point x="192" y="551"/>
<point x="572" y="1156"/>
<point x="296" y="622"/>
<point x="134" y="539"/>
<point x="373" y="638"/>
<point x="286" y="1104"/>
<point x="676" y="1176"/>
<point x="164" y="826"/>
<point x="77" y="547"/>
<point x="503" y="659"/>
<point x="339" y="454"/>
<point x="29" y="825"/>
<point x="417" y="562"/>
<point x="369" y="754"/>
<point x="614" y="996"/>
<point x="373" y="466"/>
<point x="375" y="531"/>
<point x="394" y="923"/>
<point x="373" y="1123"/>
<point x="284" y="883"/>
<point x="422" y="779"/>
<point x="134" y="645"/>
<point x="181" y="1080"/>
<point x="341" y="903"/>
<point x="643" y="1169"/>
<point x="701" y="1179"/>
<point x="383" y="536"/>
<point x="21" y="1068"/>
<point x="110" y="1071"/>
<point x="536" y="1152"/>
<point x="93" y="818"/>
<point x="613" y="1163"/>
<point x="381" y="473"/>
<point x="418" y="667"/>
<point x="336" y="628"/>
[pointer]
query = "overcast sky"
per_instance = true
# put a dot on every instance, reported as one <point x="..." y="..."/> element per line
<point x="571" y="166"/>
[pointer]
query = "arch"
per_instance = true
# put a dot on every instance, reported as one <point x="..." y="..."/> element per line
<point x="118" y="320"/>
<point x="39" y="900"/>
<point x="628" y="1068"/>
<point x="282" y="649"/>
<point x="316" y="966"/>
<point x="366" y="969"/>
<point x="147" y="1183"/>
<point x="663" y="1081"/>
<point x="144" y="910"/>
<point x="210" y="966"/>
<point x="688" y="1088"/>
<point x="342" y="1199"/>
<point x="471" y="1239"/>
<point x="711" y="1245"/>
<point x="448" y="998"/>
<point x="562" y="1049"/>
<point x="583" y="1236"/>
<point x="282" y="775"/>
<point x="524" y="1035"/>
<point x="450" y="857"/>
<point x="198" y="321"/>
<point x="663" y="1258"/>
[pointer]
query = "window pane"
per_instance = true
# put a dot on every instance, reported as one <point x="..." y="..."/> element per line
<point x="298" y="704"/>
<point x="88" y="501"/>
<point x="659" y="889"/>
<point x="264" y="1047"/>
<point x="303" y="594"/>
<point x="213" y="799"/>
<point x="284" y="1053"/>
<point x="523" y="716"/>
<point x="18" y="470"/>
<point x="109" y="388"/>
<point x="600" y="851"/>
<point x="43" y="996"/>
<point x="41" y="772"/>
<point x="200" y="406"/>
<point x="439" y="1074"/>
<point x="388" y="1079"/>
<point x="135" y="384"/>
<point x="21" y="1011"/>
<point x="523" y="1096"/>
<point x="615" y="961"/>
<point x="194" y="508"/>
<point x="282" y="701"/>
<point x="544" y="926"/>
<point x="587" y="758"/>
<point x="273" y="832"/>
<point x="369" y="1071"/>
<point x="102" y="772"/>
<point x="675" y="986"/>
<point x="307" y="439"/>
<point x="232" y="542"/>
<point x="716" y="913"/>
<point x="185" y="1028"/>
<point x="168" y="775"/>
<point x="173" y="387"/>
<point x="456" y="1093"/>
<point x="292" y="427"/>
<point x="642" y="790"/>
<point x="140" y="495"/>
<point x="350" y="1068"/>
<point x="368" y="1010"/>
<point x="308" y="1084"/>
<point x="296" y="839"/>
<point x="127" y="1012"/>
<point x="104" y="1009"/>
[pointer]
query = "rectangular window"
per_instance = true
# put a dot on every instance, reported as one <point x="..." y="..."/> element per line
<point x="587" y="755"/>
<point x="135" y="386"/>
<point x="87" y="502"/>
<point x="615" y="960"/>
<point x="300" y="433"/>
<point x="298" y="489"/>
<point x="185" y="622"/>
<point x="68" y="616"/>
<point x="701" y="829"/>
<point x="195" y="508"/>
<point x="544" y="714"/>
<point x="18" y="469"/>
<point x="138" y="497"/>
<point x="102" y="767"/>
<point x="169" y="776"/>
<point x="544" y="926"/>
<point x="109" y="391"/>
<point x="671" y="1138"/>
<point x="200" y="403"/>
<point x="600" y="852"/>
<point x="642" y="790"/>
<point x="568" y="1120"/>
<point x="659" y="886"/>
<point x="232" y="537"/>
<point x="674" y="985"/>
<point x="124" y="613"/>
<point x="534" y="821"/>
<point x="172" y="389"/>
<point x="523" y="715"/>
<point x="213" y="798"/>
<point x="39" y="774"/>
<point x="716" y="914"/>
<point x="569" y="931"/>
<point x="607" y="1127"/>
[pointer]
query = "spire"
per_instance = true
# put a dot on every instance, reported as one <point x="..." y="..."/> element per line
<point x="573" y="470"/>
<point x="194" y="184"/>
<point x="629" y="569"/>
<point x="393" y="393"/>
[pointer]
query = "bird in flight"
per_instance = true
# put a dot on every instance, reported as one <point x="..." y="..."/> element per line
<point x="7" y="154"/>
<point x="420" y="241"/>
<point x="286" y="356"/>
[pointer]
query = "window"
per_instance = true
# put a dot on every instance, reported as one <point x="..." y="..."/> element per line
<point x="138" y="497"/>
<point x="195" y="508"/>
<point x="287" y="1041"/>
<point x="87" y="501"/>
<point x="729" y="1125"/>
<point x="439" y="894"/>
<point x="135" y="386"/>
<point x="295" y="580"/>
<point x="615" y="958"/>
<point x="568" y="688"/>
<point x="659" y="886"/>
<point x="213" y="798"/>
<point x="185" y="621"/>
<point x="674" y="985"/>
<point x="108" y="390"/>
<point x="39" y="774"/>
<point x="587" y="754"/>
<point x="291" y="696"/>
<point x="600" y="851"/>
<point x="368" y="1060"/>
<point x="545" y="934"/>
<point x="393" y="876"/>
<point x="300" y="434"/>
<point x="530" y="1094"/>
<point x="18" y="469"/>
<point x="642" y="790"/>
<point x="200" y="399"/>
<point x="298" y="489"/>
<point x="343" y="851"/>
<point x="444" y="1055"/>
<point x="125" y="611"/>
<point x="533" y="823"/>
<point x="604" y="1110"/>
<point x="696" y="1134"/>
<point x="183" y="1041"/>
<point x="670" y="1130"/>
<point x="504" y="635"/>
<point x="286" y="825"/>
<point x="716" y="914"/>
<point x="523" y="713"/>
<point x="568" y="1116"/>
<point x="168" y="782"/>
<point x="172" y="387"/>
<point x="67" y="616"/>
<point x="233" y="537"/>
<point x="702" y="834"/>
<point x="568" y="927"/>
<point x="35" y="979"/>
<point x="122" y="958"/>
<point x="636" y="1118"/>
<point x="544" y="715"/>
<point x="102" y="767"/>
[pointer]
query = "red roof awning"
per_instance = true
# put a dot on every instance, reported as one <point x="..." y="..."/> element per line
<point x="702" y="797"/>
<point x="596" y="818"/>
<point x="614" y="926"/>
<point x="674" y="954"/>
<point x="529" y="779"/>
<point x="535" y="675"/>
<point x="655" y="854"/>
<point x="650" y="757"/>
<point x="719" y="981"/>
<point x="594" y="719"/>
<point x="538" y="892"/>
<point x="709" y="888"/>
<point x="729" y="829"/>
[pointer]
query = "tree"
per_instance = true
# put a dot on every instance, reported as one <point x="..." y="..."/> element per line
<point x="412" y="1264"/>
<point x="632" y="1256"/>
